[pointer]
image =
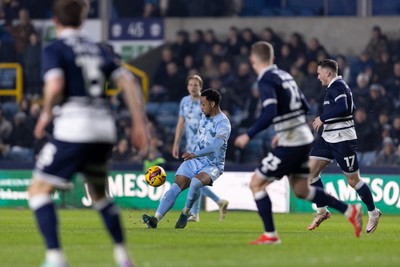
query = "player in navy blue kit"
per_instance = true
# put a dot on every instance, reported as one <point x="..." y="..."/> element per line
<point x="284" y="106"/>
<point x="75" y="71"/>
<point x="338" y="141"/>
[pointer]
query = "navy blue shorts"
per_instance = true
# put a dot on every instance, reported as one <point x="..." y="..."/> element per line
<point x="58" y="161"/>
<point x="283" y="161"/>
<point x="345" y="153"/>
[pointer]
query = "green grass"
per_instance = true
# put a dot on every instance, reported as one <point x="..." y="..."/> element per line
<point x="207" y="243"/>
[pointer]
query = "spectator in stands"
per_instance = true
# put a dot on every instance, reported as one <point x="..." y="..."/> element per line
<point x="363" y="63"/>
<point x="21" y="139"/>
<point x="343" y="68"/>
<point x="377" y="101"/>
<point x="218" y="53"/>
<point x="361" y="91"/>
<point x="21" y="32"/>
<point x="188" y="64"/>
<point x="181" y="47"/>
<point x="11" y="9"/>
<point x="248" y="37"/>
<point x="8" y="52"/>
<point x="209" y="40"/>
<point x="151" y="10"/>
<point x="384" y="68"/>
<point x="382" y="127"/>
<point x="226" y="74"/>
<point x="365" y="133"/>
<point x="122" y="151"/>
<point x="387" y="155"/>
<point x="175" y="83"/>
<point x="311" y="87"/>
<point x="233" y="42"/>
<point x="198" y="46"/>
<point x="297" y="74"/>
<point x="252" y="107"/>
<point x="286" y="60"/>
<point x="32" y="66"/>
<point x="208" y="68"/>
<point x="392" y="86"/>
<point x="314" y="47"/>
<point x="5" y="131"/>
<point x="395" y="130"/>
<point x="269" y="35"/>
<point x="377" y="44"/>
<point x="297" y="45"/>
<point x="244" y="81"/>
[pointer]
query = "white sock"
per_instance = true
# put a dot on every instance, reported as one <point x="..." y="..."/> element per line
<point x="56" y="257"/>
<point x="120" y="253"/>
<point x="373" y="213"/>
<point x="186" y="211"/>
<point x="321" y="210"/>
<point x="159" y="216"/>
<point x="271" y="234"/>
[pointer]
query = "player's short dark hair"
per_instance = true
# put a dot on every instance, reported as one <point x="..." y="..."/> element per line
<point x="212" y="95"/>
<point x="195" y="77"/>
<point x="263" y="50"/>
<point x="329" y="63"/>
<point x="70" y="13"/>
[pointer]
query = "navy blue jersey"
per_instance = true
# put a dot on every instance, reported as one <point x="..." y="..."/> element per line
<point x="338" y="112"/>
<point x="284" y="106"/>
<point x="84" y="115"/>
<point x="84" y="64"/>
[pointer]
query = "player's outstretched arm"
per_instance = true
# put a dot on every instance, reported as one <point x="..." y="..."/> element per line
<point x="178" y="135"/>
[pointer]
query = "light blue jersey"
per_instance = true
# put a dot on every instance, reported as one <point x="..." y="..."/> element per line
<point x="211" y="128"/>
<point x="190" y="110"/>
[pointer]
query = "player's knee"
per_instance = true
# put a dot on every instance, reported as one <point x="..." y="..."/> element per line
<point x="255" y="184"/>
<point x="39" y="187"/>
<point x="300" y="192"/>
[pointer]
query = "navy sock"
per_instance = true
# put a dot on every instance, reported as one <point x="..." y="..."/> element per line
<point x="319" y="184"/>
<point x="265" y="211"/>
<point x="365" y="194"/>
<point x="111" y="220"/>
<point x="46" y="218"/>
<point x="323" y="199"/>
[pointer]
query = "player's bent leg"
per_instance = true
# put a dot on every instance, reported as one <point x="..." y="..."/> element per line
<point x="42" y="205"/>
<point x="193" y="195"/>
<point x="111" y="219"/>
<point x="222" y="207"/>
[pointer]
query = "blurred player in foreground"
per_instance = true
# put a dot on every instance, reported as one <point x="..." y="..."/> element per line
<point x="338" y="141"/>
<point x="285" y="107"/>
<point x="203" y="165"/>
<point x="75" y="70"/>
<point x="188" y="123"/>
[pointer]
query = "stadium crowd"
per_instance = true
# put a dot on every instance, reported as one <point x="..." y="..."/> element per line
<point x="374" y="77"/>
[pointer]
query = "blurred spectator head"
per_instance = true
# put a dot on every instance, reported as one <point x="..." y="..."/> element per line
<point x="396" y="68"/>
<point x="166" y="54"/>
<point x="360" y="115"/>
<point x="19" y="118"/>
<point x="388" y="146"/>
<point x="285" y="50"/>
<point x="384" y="118"/>
<point x="362" y="80"/>
<point x="35" y="110"/>
<point x="376" y="32"/>
<point x="376" y="91"/>
<point x="23" y="17"/>
<point x="243" y="69"/>
<point x="181" y="37"/>
<point x="312" y="68"/>
<point x="224" y="68"/>
<point x="396" y="123"/>
<point x="197" y="36"/>
<point x="172" y="69"/>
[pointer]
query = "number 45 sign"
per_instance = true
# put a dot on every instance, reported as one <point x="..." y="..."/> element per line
<point x="136" y="29"/>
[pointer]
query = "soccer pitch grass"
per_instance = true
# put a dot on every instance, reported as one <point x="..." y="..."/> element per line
<point x="206" y="243"/>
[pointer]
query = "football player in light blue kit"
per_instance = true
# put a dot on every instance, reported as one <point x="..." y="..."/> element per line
<point x="189" y="118"/>
<point x="202" y="166"/>
<point x="75" y="70"/>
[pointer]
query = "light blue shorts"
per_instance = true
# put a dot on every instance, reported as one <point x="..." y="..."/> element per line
<point x="191" y="168"/>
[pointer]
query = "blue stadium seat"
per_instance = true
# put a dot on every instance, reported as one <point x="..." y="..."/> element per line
<point x="385" y="7"/>
<point x="342" y="8"/>
<point x="314" y="6"/>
